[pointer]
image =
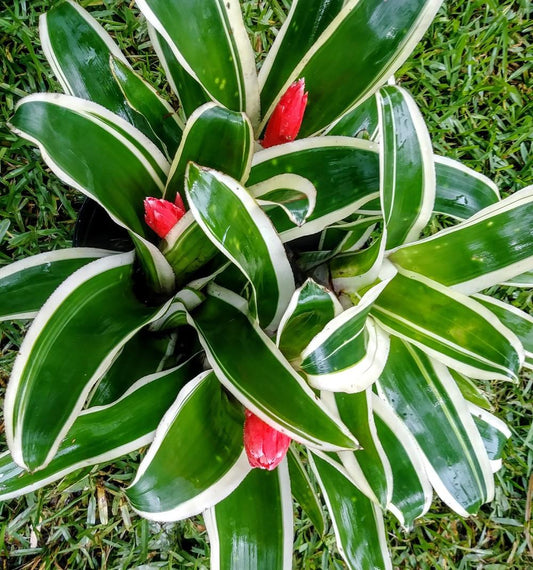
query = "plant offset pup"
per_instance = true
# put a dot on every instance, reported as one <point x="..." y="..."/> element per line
<point x="287" y="283"/>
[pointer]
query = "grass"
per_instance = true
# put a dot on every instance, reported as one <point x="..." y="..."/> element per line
<point x="471" y="76"/>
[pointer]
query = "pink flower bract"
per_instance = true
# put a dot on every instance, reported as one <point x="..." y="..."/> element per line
<point x="265" y="446"/>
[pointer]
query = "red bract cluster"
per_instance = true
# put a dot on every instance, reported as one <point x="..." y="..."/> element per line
<point x="162" y="215"/>
<point x="286" y="120"/>
<point x="265" y="446"/>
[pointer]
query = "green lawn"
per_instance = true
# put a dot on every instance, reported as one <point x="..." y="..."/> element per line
<point x="472" y="78"/>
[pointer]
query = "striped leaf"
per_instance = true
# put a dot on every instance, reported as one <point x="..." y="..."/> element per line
<point x="470" y="391"/>
<point x="303" y="490"/>
<point x="26" y="284"/>
<point x="461" y="191"/>
<point x="260" y="377"/>
<point x="486" y="249"/>
<point x="361" y="120"/>
<point x="210" y="42"/>
<point x="350" y="352"/>
<point x="253" y="527"/>
<point x="480" y="348"/>
<point x="210" y="129"/>
<point x="523" y="280"/>
<point x="197" y="457"/>
<point x="311" y="307"/>
<point x="344" y="172"/>
<point x="357" y="521"/>
<point x="93" y="307"/>
<point x="493" y="432"/>
<point x="164" y="126"/>
<point x="294" y="194"/>
<point x="411" y="490"/>
<point x="365" y="41"/>
<point x="78" y="50"/>
<point x="407" y="172"/>
<point x="353" y="271"/>
<point x="372" y="466"/>
<point x="101" y="433"/>
<point x="424" y="396"/>
<point x="189" y="91"/>
<point x="120" y="166"/>
<point x="520" y="322"/>
<point x="238" y="227"/>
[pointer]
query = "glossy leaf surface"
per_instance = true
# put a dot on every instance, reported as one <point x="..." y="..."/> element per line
<point x="407" y="188"/>
<point x="312" y="306"/>
<point x="210" y="41"/>
<point x="26" y="284"/>
<point x="489" y="248"/>
<point x="461" y="191"/>
<point x="164" y="127"/>
<point x="362" y="120"/>
<point x="101" y="434"/>
<point x="93" y="307"/>
<point x="242" y="232"/>
<point x="78" y="50"/>
<point x="344" y="172"/>
<point x="426" y="314"/>
<point x="426" y="399"/>
<point x="261" y="379"/>
<point x="411" y="490"/>
<point x="210" y="129"/>
<point x="367" y="42"/>
<point x="357" y="521"/>
<point x="253" y="527"/>
<point x="197" y="457"/>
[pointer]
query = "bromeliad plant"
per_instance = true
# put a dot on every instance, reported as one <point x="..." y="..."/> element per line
<point x="286" y="284"/>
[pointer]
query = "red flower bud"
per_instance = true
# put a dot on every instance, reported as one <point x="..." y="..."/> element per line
<point x="162" y="215"/>
<point x="286" y="120"/>
<point x="265" y="446"/>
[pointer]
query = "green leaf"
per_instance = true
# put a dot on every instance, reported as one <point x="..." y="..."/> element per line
<point x="253" y="527"/>
<point x="120" y="166"/>
<point x="520" y="322"/>
<point x="54" y="372"/>
<point x="293" y="193"/>
<point x="210" y="129"/>
<point x="260" y="377"/>
<point x="343" y="170"/>
<point x="357" y="521"/>
<point x="367" y="41"/>
<point x="350" y="352"/>
<point x="355" y="270"/>
<point x="311" y="307"/>
<point x="368" y="466"/>
<point x="144" y="354"/>
<point x="188" y="90"/>
<point x="303" y="490"/>
<point x="411" y="490"/>
<point x="362" y="120"/>
<point x="26" y="284"/>
<point x="78" y="50"/>
<point x="427" y="315"/>
<point x="238" y="227"/>
<point x="494" y="434"/>
<point x="488" y="248"/>
<point x="424" y="396"/>
<point x="211" y="43"/>
<point x="461" y="191"/>
<point x="523" y="280"/>
<point x="469" y="390"/>
<point x="101" y="433"/>
<point x="407" y="187"/>
<point x="197" y="457"/>
<point x="160" y="116"/>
